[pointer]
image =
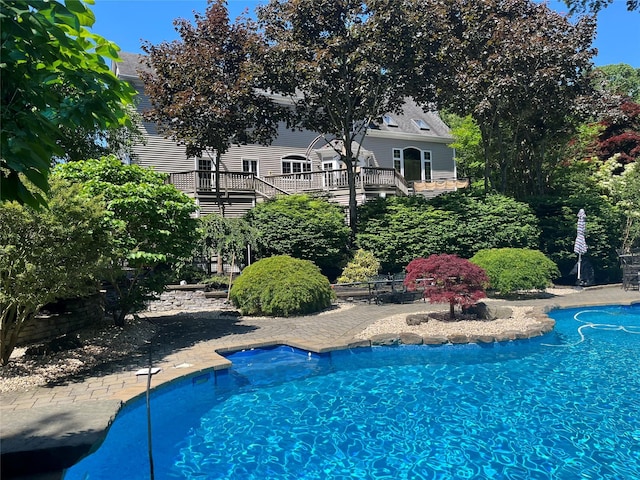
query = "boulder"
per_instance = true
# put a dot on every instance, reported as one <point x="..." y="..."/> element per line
<point x="417" y="318"/>
<point x="482" y="311"/>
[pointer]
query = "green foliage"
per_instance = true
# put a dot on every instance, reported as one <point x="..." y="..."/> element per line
<point x="150" y="222"/>
<point x="513" y="269"/>
<point x="400" y="229"/>
<point x="346" y="63"/>
<point x="468" y="145"/>
<point x="621" y="79"/>
<point x="281" y="286"/>
<point x="361" y="268"/>
<point x="623" y="191"/>
<point x="303" y="227"/>
<point x="54" y="82"/>
<point x="48" y="254"/>
<point x="227" y="238"/>
<point x="217" y="281"/>
<point x="558" y="220"/>
<point x="524" y="95"/>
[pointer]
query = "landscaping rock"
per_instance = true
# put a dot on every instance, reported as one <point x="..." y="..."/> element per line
<point x="434" y="340"/>
<point x="417" y="318"/>
<point x="485" y="339"/>
<point x="407" y="338"/>
<point x="457" y="338"/>
<point x="385" y="339"/>
<point x="482" y="311"/>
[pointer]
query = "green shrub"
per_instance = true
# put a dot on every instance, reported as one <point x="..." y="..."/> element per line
<point x="513" y="269"/>
<point x="399" y="229"/>
<point x="303" y="227"/>
<point x="281" y="286"/>
<point x="361" y="268"/>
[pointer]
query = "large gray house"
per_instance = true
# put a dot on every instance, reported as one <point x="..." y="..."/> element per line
<point x="400" y="155"/>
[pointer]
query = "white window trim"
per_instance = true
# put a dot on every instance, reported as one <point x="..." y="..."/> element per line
<point x="291" y="159"/>
<point x="426" y="157"/>
<point x="248" y="159"/>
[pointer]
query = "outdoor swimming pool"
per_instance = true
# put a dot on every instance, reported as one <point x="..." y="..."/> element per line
<point x="562" y="406"/>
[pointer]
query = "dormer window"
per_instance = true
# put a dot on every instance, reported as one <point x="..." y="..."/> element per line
<point x="421" y="124"/>
<point x="389" y="121"/>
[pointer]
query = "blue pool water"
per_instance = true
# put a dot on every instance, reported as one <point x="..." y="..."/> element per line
<point x="562" y="406"/>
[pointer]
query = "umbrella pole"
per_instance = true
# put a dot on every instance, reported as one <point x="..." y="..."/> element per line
<point x="579" y="264"/>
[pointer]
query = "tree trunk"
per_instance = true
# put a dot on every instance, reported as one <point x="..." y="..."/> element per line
<point x="452" y="310"/>
<point x="350" y="164"/>
<point x="219" y="264"/>
<point x="12" y="321"/>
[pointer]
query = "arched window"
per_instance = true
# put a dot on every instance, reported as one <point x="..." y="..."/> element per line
<point x="295" y="164"/>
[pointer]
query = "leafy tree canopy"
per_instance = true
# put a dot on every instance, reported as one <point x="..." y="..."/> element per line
<point x="150" y="221"/>
<point x="48" y="254"/>
<point x="54" y="82"/>
<point x="579" y="6"/>
<point x="226" y="237"/>
<point x="518" y="69"/>
<point x="203" y="87"/>
<point x="344" y="63"/>
<point x="620" y="79"/>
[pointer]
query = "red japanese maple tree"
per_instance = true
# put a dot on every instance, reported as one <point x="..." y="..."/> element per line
<point x="447" y="278"/>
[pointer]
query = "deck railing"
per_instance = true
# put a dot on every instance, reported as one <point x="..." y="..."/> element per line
<point x="196" y="181"/>
<point x="338" y="179"/>
<point x="199" y="181"/>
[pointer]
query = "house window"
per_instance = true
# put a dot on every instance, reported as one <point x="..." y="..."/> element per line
<point x="206" y="179"/>
<point x="421" y="124"/>
<point x="426" y="165"/>
<point x="250" y="166"/>
<point x="389" y="121"/>
<point x="205" y="164"/>
<point x="397" y="160"/>
<point x="295" y="164"/>
<point x="413" y="164"/>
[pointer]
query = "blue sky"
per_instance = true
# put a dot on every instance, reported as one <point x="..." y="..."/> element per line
<point x="127" y="22"/>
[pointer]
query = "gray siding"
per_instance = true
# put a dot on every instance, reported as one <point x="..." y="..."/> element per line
<point x="442" y="156"/>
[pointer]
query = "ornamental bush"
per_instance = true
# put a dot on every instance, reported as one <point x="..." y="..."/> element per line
<point x="361" y="268"/>
<point x="281" y="286"/>
<point x="447" y="278"/>
<point x="513" y="269"/>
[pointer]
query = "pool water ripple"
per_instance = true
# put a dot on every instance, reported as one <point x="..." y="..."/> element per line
<point x="522" y="410"/>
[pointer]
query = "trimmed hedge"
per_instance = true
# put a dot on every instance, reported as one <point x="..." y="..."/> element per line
<point x="281" y="286"/>
<point x="513" y="269"/>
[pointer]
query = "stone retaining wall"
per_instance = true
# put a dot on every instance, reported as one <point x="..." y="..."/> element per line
<point x="188" y="298"/>
<point x="74" y="315"/>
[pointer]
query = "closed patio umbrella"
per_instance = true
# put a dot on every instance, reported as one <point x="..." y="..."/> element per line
<point x="580" y="246"/>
